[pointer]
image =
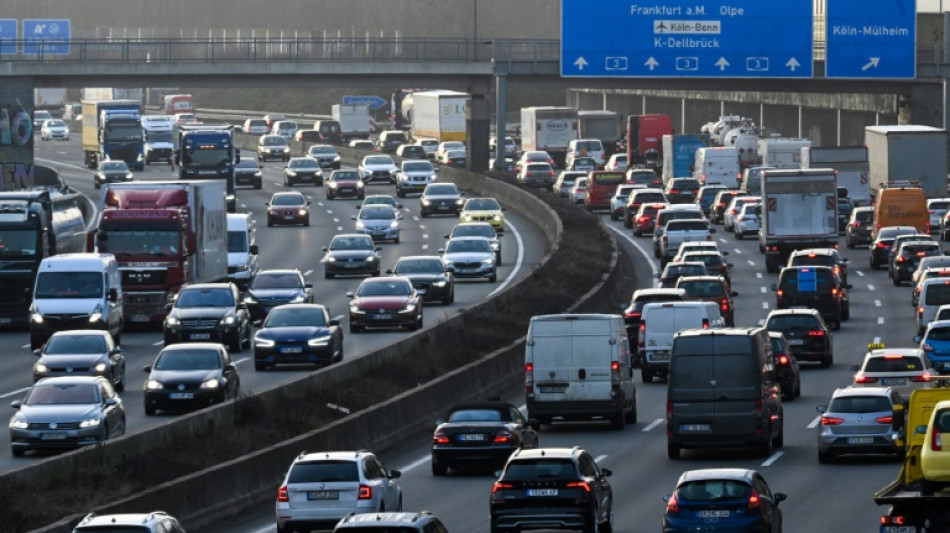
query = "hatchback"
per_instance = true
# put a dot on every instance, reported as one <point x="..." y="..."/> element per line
<point x="731" y="213"/>
<point x="154" y="522"/>
<point x="619" y="200"/>
<point x="935" y="344"/>
<point x="808" y="337"/>
<point x="81" y="352"/>
<point x="298" y="334"/>
<point x="858" y="230"/>
<point x="813" y="287"/>
<point x="722" y="499"/>
<point x="272" y="147"/>
<point x="344" y="183"/>
<point x="302" y="170"/>
<point x="350" y="254"/>
<point x="421" y="522"/>
<point x="385" y="302"/>
<point x="565" y="181"/>
<point x="859" y="421"/>
<point x="908" y="256"/>
<point x="710" y="289"/>
<point x="440" y="199"/>
<point x="674" y="271"/>
<point x="881" y="246"/>
<point x="536" y="174"/>
<point x="921" y="275"/>
<point x="381" y="222"/>
<point x="715" y="263"/>
<point x="706" y="195"/>
<point x="749" y="221"/>
<point x="645" y="218"/>
<point x="903" y="369"/>
<point x="288" y="208"/>
<point x="821" y="257"/>
<point x="189" y="376"/>
<point x="682" y="190"/>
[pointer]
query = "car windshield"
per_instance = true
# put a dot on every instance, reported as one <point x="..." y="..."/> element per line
<point x="303" y="163"/>
<point x="420" y="166"/>
<point x="247" y="163"/>
<point x="893" y="363"/>
<point x="351" y="243"/>
<point x="287" y="199"/>
<point x="482" y="204"/>
<point x="442" y="190"/>
<point x="138" y="241"/>
<point x="188" y="360"/>
<point x="683" y="270"/>
<point x="276" y="281"/>
<point x="323" y="472"/>
<point x="295" y="316"/>
<point x="860" y="404"/>
<point x="344" y="176"/>
<point x="455" y="154"/>
<point x="384" y="288"/>
<point x="419" y="266"/>
<point x="477" y="415"/>
<point x="377" y="212"/>
<point x="534" y="469"/>
<point x="790" y="322"/>
<point x="702" y="289"/>
<point x="62" y="394"/>
<point x="274" y="140"/>
<point x="75" y="344"/>
<point x="474" y="230"/>
<point x="712" y="490"/>
<point x="378" y="160"/>
<point x="709" y="260"/>
<point x="204" y="298"/>
<point x="113" y="166"/>
<point x="329" y="150"/>
<point x="467" y="246"/>
<point x="938" y="334"/>
<point x="385" y="200"/>
<point x="237" y="241"/>
<point x="69" y="285"/>
<point x="54" y="123"/>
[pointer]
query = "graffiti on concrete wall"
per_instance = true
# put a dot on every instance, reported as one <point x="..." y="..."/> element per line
<point x="16" y="147"/>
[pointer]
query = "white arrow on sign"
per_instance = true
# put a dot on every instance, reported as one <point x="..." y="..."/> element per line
<point x="652" y="63"/>
<point x="581" y="63"/>
<point x="793" y="64"/>
<point x="872" y="63"/>
<point x="722" y="64"/>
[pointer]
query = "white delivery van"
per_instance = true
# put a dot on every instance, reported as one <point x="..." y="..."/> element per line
<point x="242" y="250"/>
<point x="578" y="366"/>
<point x="717" y="166"/>
<point x="934" y="292"/>
<point x="660" y="321"/>
<point x="76" y="291"/>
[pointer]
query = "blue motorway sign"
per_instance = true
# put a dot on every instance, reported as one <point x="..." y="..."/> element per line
<point x="680" y="38"/>
<point x="46" y="36"/>
<point x="871" y="39"/>
<point x="374" y="102"/>
<point x="8" y="36"/>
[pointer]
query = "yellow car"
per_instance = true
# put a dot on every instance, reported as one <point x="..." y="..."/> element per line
<point x="484" y="210"/>
<point x="934" y="453"/>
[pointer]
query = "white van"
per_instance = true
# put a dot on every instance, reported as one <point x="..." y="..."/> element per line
<point x="717" y="166"/>
<point x="934" y="292"/>
<point x="76" y="291"/>
<point x="660" y="321"/>
<point x="285" y="128"/>
<point x="592" y="148"/>
<point x="578" y="366"/>
<point x="242" y="250"/>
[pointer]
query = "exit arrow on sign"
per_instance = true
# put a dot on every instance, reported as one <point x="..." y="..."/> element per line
<point x="371" y="101"/>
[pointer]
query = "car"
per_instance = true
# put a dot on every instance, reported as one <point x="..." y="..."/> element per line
<point x="619" y="200"/>
<point x="377" y="167"/>
<point x="710" y="289"/>
<point x="66" y="412"/>
<point x="390" y="302"/>
<point x="858" y="230"/>
<point x="508" y="165"/>
<point x="351" y="253"/>
<point x="389" y="140"/>
<point x="859" y="420"/>
<point x="643" y="175"/>
<point x="634" y="312"/>
<point x="298" y="334"/>
<point x="81" y="352"/>
<point x="718" y="206"/>
<point x="706" y="195"/>
<point x="325" y="155"/>
<point x="248" y="172"/>
<point x="185" y="118"/>
<point x="645" y="218"/>
<point x="681" y="190"/>
<point x="903" y="369"/>
<point x="302" y="170"/>
<point x="637" y="198"/>
<point x="440" y="199"/>
<point x="345" y="183"/>
<point x="541" y="488"/>
<point x="511" y="149"/>
<point x="470" y="257"/>
<point x="881" y="245"/>
<point x="535" y="156"/>
<point x="307" y="136"/>
<point x="323" y="488"/>
<point x="786" y="367"/>
<point x="255" y="126"/>
<point x="285" y="128"/>
<point x="481" y="434"/>
<point x="899" y="241"/>
<point x="288" y="208"/>
<point x="479" y="229"/>
<point x="715" y="263"/>
<point x="209" y="312"/>
<point x="381" y="222"/>
<point x="926" y="263"/>
<point x="808" y="337"/>
<point x="429" y="145"/>
<point x="676" y="212"/>
<point x="455" y="158"/>
<point x="421" y="522"/>
<point x="585" y="164"/>
<point x="39" y="117"/>
<point x="923" y="274"/>
<point x="935" y="342"/>
<point x="430" y="278"/>
<point x="536" y="174"/>
<point x="674" y="271"/>
<point x="829" y="257"/>
<point x="153" y="522"/>
<point x="362" y="144"/>
<point x="748" y="221"/>
<point x="937" y="208"/>
<point x="483" y="210"/>
<point x="54" y="128"/>
<point x="273" y="287"/>
<point x="697" y="246"/>
<point x="411" y="151"/>
<point x="414" y="176"/>
<point x="908" y="257"/>
<point x="578" y="190"/>
<point x="565" y="181"/>
<point x="731" y="212"/>
<point x="380" y="199"/>
<point x="271" y="118"/>
<point x="190" y="376"/>
<point x="722" y="499"/>
<point x="329" y="131"/>
<point x="616" y="162"/>
<point x="272" y="147"/>
<point x="112" y="171"/>
<point x="444" y="147"/>
<point x="845" y="207"/>
<point x="814" y="287"/>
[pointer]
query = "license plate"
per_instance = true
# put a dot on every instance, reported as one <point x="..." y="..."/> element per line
<point x="323" y="495"/>
<point x="553" y="389"/>
<point x="472" y="437"/>
<point x="382" y="317"/>
<point x="898" y="529"/>
<point x="52" y="436"/>
<point x="6" y="320"/>
<point x="796" y="342"/>
<point x="894" y="381"/>
<point x="181" y="395"/>
<point x="713" y="514"/>
<point x="199" y="336"/>
<point x="443" y="208"/>
<point x="660" y="356"/>
<point x="694" y="427"/>
<point x="139" y="318"/>
<point x="291" y="350"/>
<point x="860" y="440"/>
<point x="288" y="217"/>
<point x="421" y="291"/>
<point x="542" y="492"/>
<point x="350" y="265"/>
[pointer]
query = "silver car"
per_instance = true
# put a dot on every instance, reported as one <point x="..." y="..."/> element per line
<point x="479" y="229"/>
<point x="414" y="176"/>
<point x="82" y="352"/>
<point x="66" y="412"/>
<point x="470" y="257"/>
<point x="378" y="168"/>
<point x="858" y="420"/>
<point x="381" y="222"/>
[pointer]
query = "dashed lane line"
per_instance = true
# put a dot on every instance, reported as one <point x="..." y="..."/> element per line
<point x="771" y="460"/>
<point x="652" y="425"/>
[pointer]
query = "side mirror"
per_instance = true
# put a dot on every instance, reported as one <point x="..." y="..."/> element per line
<point x="325" y="249"/>
<point x="111" y="401"/>
<point x="393" y="474"/>
<point x="774" y="287"/>
<point x="606" y="472"/>
<point x="389" y="271"/>
<point x="230" y="367"/>
<point x="352" y="217"/>
<point x="398" y="206"/>
<point x="334" y="321"/>
<point x="917" y="338"/>
<point x="845" y="260"/>
<point x="16" y="404"/>
<point x="113" y="294"/>
<point x="441" y="251"/>
<point x="257" y="323"/>
<point x="308" y="285"/>
<point x="656" y="276"/>
<point x="446" y="237"/>
<point x="400" y="217"/>
<point x="147" y="368"/>
<point x="730" y="265"/>
<point x="725" y="253"/>
<point x="779" y="497"/>
<point x="254" y="249"/>
<point x="733" y="294"/>
<point x="848" y="286"/>
<point x="242" y="306"/>
<point x="37" y="352"/>
<point x="534" y="424"/>
<point x="919" y="430"/>
<point x="350" y="294"/>
<point x="821" y="409"/>
<point x="378" y="249"/>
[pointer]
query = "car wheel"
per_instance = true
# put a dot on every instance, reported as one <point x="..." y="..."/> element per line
<point x="896" y="280"/>
<point x="825" y="457"/>
<point x="637" y="233"/>
<point x="96" y="184"/>
<point x="269" y="222"/>
<point x="630" y="416"/>
<point x="738" y="235"/>
<point x="258" y="185"/>
<point x="339" y="355"/>
<point x="118" y="384"/>
<point x="627" y="223"/>
<point x="439" y="469"/>
<point x="798" y="387"/>
<point x="149" y="410"/>
<point x="327" y="275"/>
<point x="848" y="243"/>
<point x="647" y="375"/>
<point x="493" y="278"/>
<point x="765" y="448"/>
<point x="423" y="214"/>
<point x="827" y="360"/>
<point x="779" y="440"/>
<point x="356" y="329"/>
<point x="260" y="367"/>
<point x="498" y="258"/>
<point x="306" y="221"/>
<point x="618" y="421"/>
<point x="592" y="525"/>
<point x="613" y="216"/>
<point x="17" y="451"/>
<point x="788" y="393"/>
<point x="396" y="240"/>
<point x="672" y="450"/>
<point x="450" y="299"/>
<point x="236" y="345"/>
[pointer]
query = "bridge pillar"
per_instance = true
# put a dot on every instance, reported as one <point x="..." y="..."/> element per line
<point x="16" y="133"/>
<point x="501" y="119"/>
<point x="478" y="128"/>
<point x="923" y="105"/>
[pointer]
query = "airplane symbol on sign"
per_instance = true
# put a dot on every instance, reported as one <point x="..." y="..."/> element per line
<point x="661" y="27"/>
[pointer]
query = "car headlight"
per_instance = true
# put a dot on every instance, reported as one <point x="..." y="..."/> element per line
<point x="286" y="149"/>
<point x="263" y="343"/>
<point x="128" y="175"/>
<point x="355" y="308"/>
<point x="336" y="157"/>
<point x="360" y="184"/>
<point x="332" y="184"/>
<point x="242" y="268"/>
<point x="302" y="212"/>
<point x="495" y="246"/>
<point x="466" y="216"/>
<point x="319" y="341"/>
<point x="360" y="225"/>
<point x="16" y="423"/>
<point x="154" y="385"/>
<point x="409" y="308"/>
<point x="40" y="368"/>
<point x="459" y="202"/>
<point x="488" y="261"/>
<point x="95" y="317"/>
<point x="171" y="321"/>
<point x="448" y="264"/>
<point x="439" y="284"/>
<point x="258" y="174"/>
<point x="291" y="173"/>
<point x="497" y="217"/>
<point x="394" y="224"/>
<point x="101" y="367"/>
<point x="300" y="298"/>
<point x="212" y="384"/>
<point x="331" y="259"/>
<point x="228" y="320"/>
<point x="90" y="423"/>
<point x="425" y="201"/>
<point x="370" y="258"/>
<point x="249" y="299"/>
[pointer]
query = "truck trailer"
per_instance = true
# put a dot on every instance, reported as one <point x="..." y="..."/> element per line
<point x="679" y="152"/>
<point x="112" y="129"/>
<point x="604" y="126"/>
<point x="908" y="153"/>
<point x="851" y="162"/>
<point x="550" y="129"/>
<point x="439" y="115"/>
<point x="645" y="138"/>
<point x="356" y="121"/>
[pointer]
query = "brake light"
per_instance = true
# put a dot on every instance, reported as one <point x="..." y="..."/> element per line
<point x="282" y="495"/>
<point x="885" y="419"/>
<point x="900" y="259"/>
<point x="920" y="311"/>
<point x="672" y="506"/>
<point x="499" y="486"/>
<point x="674" y="191"/>
<point x="633" y="314"/>
<point x="936" y="439"/>
<point x="614" y="373"/>
<point x="722" y="204"/>
<point x="816" y="333"/>
<point x="578" y="485"/>
<point x="643" y="331"/>
<point x="780" y="293"/>
<point x="893" y="520"/>
<point x="921" y="254"/>
<point x="366" y="492"/>
<point x="705" y="323"/>
<point x="783" y="360"/>
<point x="724" y="305"/>
<point x="503" y="437"/>
<point x="855" y="224"/>
<point x="754" y="501"/>
<point x="883" y="245"/>
<point x="923" y="378"/>
<point x="733" y="211"/>
<point x="643" y="219"/>
<point x="440" y="437"/>
<point x="831" y="421"/>
<point x="861" y="378"/>
<point x="529" y="377"/>
<point x="834" y="292"/>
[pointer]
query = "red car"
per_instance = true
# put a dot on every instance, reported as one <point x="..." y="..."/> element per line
<point x="645" y="218"/>
<point x="389" y="302"/>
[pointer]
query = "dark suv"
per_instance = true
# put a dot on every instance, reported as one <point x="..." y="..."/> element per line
<point x="807" y="335"/>
<point x="717" y="209"/>
<point x="209" y="312"/>
<point x="711" y="289"/>
<point x="815" y="287"/>
<point x="908" y="256"/>
<point x="821" y="257"/>
<point x="881" y="246"/>
<point x="547" y="488"/>
<point x="786" y="367"/>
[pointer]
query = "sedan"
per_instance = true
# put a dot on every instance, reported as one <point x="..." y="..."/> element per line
<point x="248" y="172"/>
<point x="288" y="208"/>
<point x="112" y="171"/>
<point x="430" y="278"/>
<point x="351" y="254"/>
<point x="302" y="170"/>
<point x="66" y="412"/>
<point x="480" y="434"/>
<point x="440" y="199"/>
<point x="81" y="352"/>
<point x="298" y="334"/>
<point x="470" y="257"/>
<point x="455" y="158"/>
<point x="271" y="288"/>
<point x="733" y="499"/>
<point x="645" y="218"/>
<point x="858" y="420"/>
<point x="483" y="210"/>
<point x="536" y="174"/>
<point x="54" y="129"/>
<point x="616" y="162"/>
<point x="345" y="183"/>
<point x="325" y="155"/>
<point x="378" y="168"/>
<point x="272" y="147"/>
<point x="190" y="376"/>
<point x="479" y="229"/>
<point x="381" y="222"/>
<point x="903" y="369"/>
<point x="385" y="302"/>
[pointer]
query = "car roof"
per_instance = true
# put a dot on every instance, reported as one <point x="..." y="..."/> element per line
<point x="301" y="306"/>
<point x="481" y="405"/>
<point x="333" y="456"/>
<point x="816" y="251"/>
<point x="643" y="293"/>
<point x="861" y="391"/>
<point x="202" y="286"/>
<point x="787" y="312"/>
<point x="706" y="474"/>
<point x="69" y="380"/>
<point x="192" y="346"/>
<point x="124" y="519"/>
<point x="419" y="258"/>
<point x="718" y="279"/>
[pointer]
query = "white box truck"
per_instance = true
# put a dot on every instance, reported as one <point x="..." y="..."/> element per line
<point x="550" y="129"/>
<point x="782" y="152"/>
<point x="851" y="162"/>
<point x="439" y="115"/>
<point x="356" y="121"/>
<point x="604" y="126"/>
<point x="908" y="153"/>
<point x="799" y="211"/>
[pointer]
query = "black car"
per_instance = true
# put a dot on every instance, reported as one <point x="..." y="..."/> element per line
<point x="682" y="190"/>
<point x="858" y="230"/>
<point x="808" y="337"/>
<point x="881" y="246"/>
<point x="547" y="488"/>
<point x="455" y="158"/>
<point x="821" y="257"/>
<point x="189" y="376"/>
<point x="110" y="171"/>
<point x="351" y="253"/>
<point x="345" y="183"/>
<point x="480" y="434"/>
<point x="270" y="288"/>
<point x="302" y="170"/>
<point x="479" y="229"/>
<point x="248" y="172"/>
<point x="325" y="155"/>
<point x="717" y="209"/>
<point x="786" y="366"/>
<point x="428" y="276"/>
<point x="209" y="312"/>
<point x="899" y="241"/>
<point x="81" y="352"/>
<point x="908" y="256"/>
<point x="298" y="334"/>
<point x="674" y="271"/>
<point x="813" y="287"/>
<point x="440" y="199"/>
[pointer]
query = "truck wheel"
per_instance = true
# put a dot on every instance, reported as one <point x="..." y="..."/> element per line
<point x="647" y="375"/>
<point x="765" y="448"/>
<point x="630" y="416"/>
<point x="618" y="421"/>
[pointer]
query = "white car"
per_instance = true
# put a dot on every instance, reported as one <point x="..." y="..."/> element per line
<point x="616" y="162"/>
<point x="533" y="156"/>
<point x="285" y="128"/>
<point x="429" y="144"/>
<point x="731" y="213"/>
<point x="446" y="147"/>
<point x="619" y="200"/>
<point x="903" y="369"/>
<point x="255" y="126"/>
<point x="378" y="167"/>
<point x="748" y="222"/>
<point x="54" y="128"/>
<point x="578" y="189"/>
<point x="510" y="148"/>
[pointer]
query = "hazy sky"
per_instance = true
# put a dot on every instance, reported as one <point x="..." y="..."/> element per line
<point x="932" y="5"/>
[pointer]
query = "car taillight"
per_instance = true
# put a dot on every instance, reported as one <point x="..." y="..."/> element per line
<point x="439" y="437"/>
<point x="503" y="437"/>
<point x="885" y="419"/>
<point x="498" y="487"/>
<point x="936" y="439"/>
<point x="705" y="323"/>
<point x="643" y="332"/>
<point x="921" y="254"/>
<point x="855" y="224"/>
<point x="816" y="333"/>
<point x="861" y="378"/>
<point x="674" y="191"/>
<point x="754" y="501"/>
<point x="583" y="494"/>
<point x="282" y="495"/>
<point x="920" y="311"/>
<point x="893" y="520"/>
<point x="529" y="377"/>
<point x="614" y="373"/>
<point x="732" y="211"/>
<point x="883" y="245"/>
<point x="722" y="204"/>
<point x="834" y="292"/>
<point x="633" y="314"/>
<point x="724" y="305"/>
<point x="365" y="493"/>
<point x="780" y="293"/>
<point x="783" y="360"/>
<point x="900" y="259"/>
<point x="643" y="219"/>
<point x="672" y="505"/>
<point x="923" y="378"/>
<point x="831" y="421"/>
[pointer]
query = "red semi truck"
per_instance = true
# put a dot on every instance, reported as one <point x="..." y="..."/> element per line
<point x="645" y="138"/>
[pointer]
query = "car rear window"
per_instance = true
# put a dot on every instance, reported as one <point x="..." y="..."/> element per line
<point x="323" y="472"/>
<point x="821" y="260"/>
<point x="649" y="197"/>
<point x="942" y="421"/>
<point x="937" y="294"/>
<point x="638" y="305"/>
<point x="685" y="184"/>
<point x="666" y="215"/>
<point x="939" y="334"/>
<point x="685" y="270"/>
<point x="702" y="289"/>
<point x="688" y="225"/>
<point x="805" y="280"/>
<point x="860" y="404"/>
<point x="920" y="248"/>
<point x="712" y="490"/>
<point x="701" y="345"/>
<point x="893" y="364"/>
<point x="477" y="415"/>
<point x="788" y="322"/>
<point x="537" y="469"/>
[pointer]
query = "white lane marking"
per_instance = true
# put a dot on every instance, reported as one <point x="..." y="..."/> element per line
<point x="636" y="245"/>
<point x="425" y="235"/>
<point x="870" y="287"/>
<point x="518" y="261"/>
<point x="599" y="458"/>
<point x="738" y="251"/>
<point x="265" y="529"/>
<point x="758" y="275"/>
<point x="329" y="211"/>
<point x="877" y="340"/>
<point x="25" y="346"/>
<point x="243" y="206"/>
<point x="336" y="220"/>
<point x="880" y="320"/>
<point x="772" y="459"/>
<point x="339" y="228"/>
<point x="877" y="303"/>
<point x="241" y="360"/>
<point x="415" y="218"/>
<point x="320" y="204"/>
<point x="722" y="240"/>
<point x="765" y="305"/>
<point x="158" y="343"/>
<point x="416" y="464"/>
<point x="61" y="164"/>
<point x="308" y="196"/>
<point x="421" y="226"/>
<point x="751" y="263"/>
<point x="653" y="424"/>
<point x="763" y="290"/>
<point x="860" y="273"/>
<point x="425" y="246"/>
<point x="307" y="273"/>
<point x="14" y="393"/>
<point x="814" y="423"/>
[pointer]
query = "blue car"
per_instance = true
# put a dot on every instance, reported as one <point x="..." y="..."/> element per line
<point x="936" y="344"/>
<point x="298" y="334"/>
<point x="732" y="500"/>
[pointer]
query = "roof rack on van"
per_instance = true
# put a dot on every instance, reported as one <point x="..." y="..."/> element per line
<point x="900" y="184"/>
